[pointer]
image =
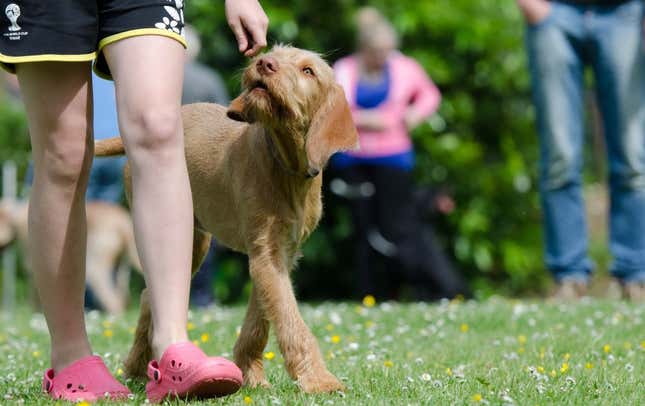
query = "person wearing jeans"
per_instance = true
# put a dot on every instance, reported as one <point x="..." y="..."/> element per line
<point x="564" y="38"/>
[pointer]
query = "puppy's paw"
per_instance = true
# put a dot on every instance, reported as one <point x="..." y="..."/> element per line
<point x="320" y="382"/>
<point x="254" y="378"/>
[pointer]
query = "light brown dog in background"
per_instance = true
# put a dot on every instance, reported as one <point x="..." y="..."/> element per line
<point x="110" y="249"/>
<point x="256" y="188"/>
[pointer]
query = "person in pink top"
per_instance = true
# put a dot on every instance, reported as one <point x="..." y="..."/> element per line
<point x="390" y="94"/>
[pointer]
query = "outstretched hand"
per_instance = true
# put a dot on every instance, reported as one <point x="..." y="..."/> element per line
<point x="249" y="24"/>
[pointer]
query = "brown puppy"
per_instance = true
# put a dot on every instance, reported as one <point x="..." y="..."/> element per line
<point x="256" y="189"/>
<point x="110" y="238"/>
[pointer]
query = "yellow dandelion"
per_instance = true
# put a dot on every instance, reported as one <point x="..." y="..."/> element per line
<point x="388" y="364"/>
<point x="106" y="324"/>
<point x="83" y="403"/>
<point x="521" y="339"/>
<point x="520" y="350"/>
<point x="448" y="371"/>
<point x="335" y="339"/>
<point x="190" y="326"/>
<point x="567" y="356"/>
<point x="540" y="369"/>
<point x="564" y="368"/>
<point x="606" y="348"/>
<point x="248" y="400"/>
<point x="108" y="333"/>
<point x="464" y="328"/>
<point x="269" y="355"/>
<point x="589" y="365"/>
<point x="204" y="337"/>
<point x="36" y="354"/>
<point x="369" y="301"/>
<point x="477" y="397"/>
<point x="329" y="327"/>
<point x="542" y="353"/>
<point x="553" y="373"/>
<point x="643" y="345"/>
<point x="369" y="324"/>
<point x="119" y="372"/>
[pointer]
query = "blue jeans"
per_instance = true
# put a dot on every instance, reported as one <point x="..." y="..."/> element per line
<point x="609" y="40"/>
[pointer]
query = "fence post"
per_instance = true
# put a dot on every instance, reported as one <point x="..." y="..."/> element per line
<point x="9" y="192"/>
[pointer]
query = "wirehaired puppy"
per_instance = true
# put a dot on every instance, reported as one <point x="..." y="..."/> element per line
<point x="255" y="173"/>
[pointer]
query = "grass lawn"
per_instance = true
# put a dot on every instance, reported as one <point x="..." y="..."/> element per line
<point x="492" y="352"/>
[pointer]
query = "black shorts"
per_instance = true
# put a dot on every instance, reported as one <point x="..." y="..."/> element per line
<point x="78" y="30"/>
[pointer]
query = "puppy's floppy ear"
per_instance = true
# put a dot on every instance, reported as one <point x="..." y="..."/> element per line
<point x="237" y="108"/>
<point x="332" y="129"/>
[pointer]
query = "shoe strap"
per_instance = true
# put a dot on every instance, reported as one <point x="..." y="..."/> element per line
<point x="153" y="371"/>
<point x="48" y="380"/>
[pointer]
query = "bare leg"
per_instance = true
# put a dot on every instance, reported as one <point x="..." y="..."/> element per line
<point x="251" y="343"/>
<point x="148" y="73"/>
<point x="58" y="100"/>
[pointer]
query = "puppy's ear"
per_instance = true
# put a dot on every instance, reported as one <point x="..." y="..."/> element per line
<point x="237" y="108"/>
<point x="332" y="129"/>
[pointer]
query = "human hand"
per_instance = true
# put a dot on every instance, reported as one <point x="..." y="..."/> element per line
<point x="445" y="204"/>
<point x="534" y="11"/>
<point x="249" y="24"/>
<point x="412" y="119"/>
<point x="370" y="120"/>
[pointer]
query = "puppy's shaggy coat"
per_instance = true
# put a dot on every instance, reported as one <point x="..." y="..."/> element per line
<point x="256" y="187"/>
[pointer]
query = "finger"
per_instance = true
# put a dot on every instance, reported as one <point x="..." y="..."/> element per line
<point x="258" y="36"/>
<point x="240" y="35"/>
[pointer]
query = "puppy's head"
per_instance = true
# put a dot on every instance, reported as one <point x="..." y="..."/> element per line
<point x="294" y="90"/>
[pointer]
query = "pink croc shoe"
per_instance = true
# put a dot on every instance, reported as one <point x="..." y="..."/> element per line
<point x="184" y="371"/>
<point x="86" y="379"/>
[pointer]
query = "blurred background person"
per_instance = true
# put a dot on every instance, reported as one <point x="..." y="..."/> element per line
<point x="563" y="38"/>
<point x="202" y="84"/>
<point x="390" y="95"/>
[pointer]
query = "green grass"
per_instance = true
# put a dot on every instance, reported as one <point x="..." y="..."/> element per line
<point x="492" y="352"/>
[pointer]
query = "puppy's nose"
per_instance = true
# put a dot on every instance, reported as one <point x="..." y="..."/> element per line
<point x="267" y="65"/>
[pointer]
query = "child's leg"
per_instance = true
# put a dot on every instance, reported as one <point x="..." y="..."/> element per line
<point x="148" y="73"/>
<point x="58" y="100"/>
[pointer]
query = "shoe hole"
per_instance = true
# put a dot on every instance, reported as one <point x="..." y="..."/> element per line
<point x="73" y="390"/>
<point x="81" y="387"/>
<point x="69" y="386"/>
<point x="180" y="365"/>
<point x="48" y="386"/>
<point x="180" y="379"/>
<point x="156" y="375"/>
<point x="173" y="378"/>
<point x="172" y="363"/>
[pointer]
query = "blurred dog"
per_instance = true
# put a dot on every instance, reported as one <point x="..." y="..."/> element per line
<point x="256" y="185"/>
<point x="110" y="239"/>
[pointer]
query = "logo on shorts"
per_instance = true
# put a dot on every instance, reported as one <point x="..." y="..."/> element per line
<point x="13" y="12"/>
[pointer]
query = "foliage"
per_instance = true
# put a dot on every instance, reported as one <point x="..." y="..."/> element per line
<point x="490" y="352"/>
<point x="481" y="144"/>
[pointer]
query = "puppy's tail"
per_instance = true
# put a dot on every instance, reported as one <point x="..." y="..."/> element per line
<point x="109" y="147"/>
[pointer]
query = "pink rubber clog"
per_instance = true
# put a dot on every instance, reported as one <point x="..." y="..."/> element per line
<point x="86" y="379"/>
<point x="184" y="371"/>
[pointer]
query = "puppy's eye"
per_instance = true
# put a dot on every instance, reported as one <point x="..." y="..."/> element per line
<point x="308" y="71"/>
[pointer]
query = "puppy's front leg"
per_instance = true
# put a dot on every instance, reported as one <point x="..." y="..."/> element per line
<point x="303" y="359"/>
<point x="251" y="343"/>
